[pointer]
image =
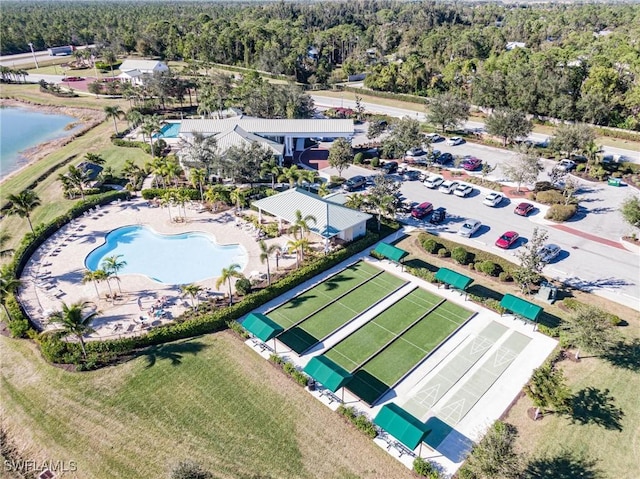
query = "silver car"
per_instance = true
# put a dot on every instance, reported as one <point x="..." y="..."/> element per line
<point x="548" y="252"/>
<point x="469" y="227"/>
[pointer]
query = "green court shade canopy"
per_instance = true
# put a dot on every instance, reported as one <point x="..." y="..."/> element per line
<point x="261" y="326"/>
<point x="456" y="280"/>
<point x="406" y="428"/>
<point x="327" y="373"/>
<point x="520" y="307"/>
<point x="391" y="252"/>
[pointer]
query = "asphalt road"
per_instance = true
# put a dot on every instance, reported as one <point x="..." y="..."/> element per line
<point x="329" y="102"/>
<point x="12" y="61"/>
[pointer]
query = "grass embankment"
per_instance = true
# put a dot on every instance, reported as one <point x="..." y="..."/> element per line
<point x="209" y="399"/>
<point x="563" y="445"/>
<point x="419" y="107"/>
<point x="49" y="189"/>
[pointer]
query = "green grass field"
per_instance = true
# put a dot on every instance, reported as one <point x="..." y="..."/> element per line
<point x="357" y="347"/>
<point x="315" y="298"/>
<point x="208" y="399"/>
<point x="340" y="312"/>
<point x="385" y="369"/>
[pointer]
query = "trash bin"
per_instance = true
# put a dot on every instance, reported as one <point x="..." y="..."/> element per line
<point x="613" y="182"/>
<point x="311" y="384"/>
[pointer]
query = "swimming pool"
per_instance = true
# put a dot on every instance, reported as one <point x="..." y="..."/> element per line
<point x="169" y="259"/>
<point x="169" y="130"/>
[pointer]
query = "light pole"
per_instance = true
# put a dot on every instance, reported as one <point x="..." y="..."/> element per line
<point x="34" y="55"/>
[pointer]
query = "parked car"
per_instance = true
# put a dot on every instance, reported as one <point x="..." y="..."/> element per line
<point x="471" y="164"/>
<point x="493" y="199"/>
<point x="434" y="137"/>
<point x="469" y="227"/>
<point x="390" y="167"/>
<point x="463" y="190"/>
<point x="566" y="165"/>
<point x="422" y="210"/>
<point x="407" y="206"/>
<point x="411" y="175"/>
<point x="433" y="181"/>
<point x="417" y="151"/>
<point x="443" y="159"/>
<point x="438" y="216"/>
<point x="507" y="239"/>
<point x="354" y="183"/>
<point x="448" y="186"/>
<point x="455" y="140"/>
<point x="524" y="209"/>
<point x="548" y="252"/>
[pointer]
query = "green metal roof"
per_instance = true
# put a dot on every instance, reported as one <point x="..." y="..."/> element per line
<point x="391" y="252"/>
<point x="457" y="280"/>
<point x="406" y="428"/>
<point x="520" y="307"/>
<point x="261" y="326"/>
<point x="327" y="373"/>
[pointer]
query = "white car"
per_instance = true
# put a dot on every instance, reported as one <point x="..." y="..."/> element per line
<point x="566" y="165"/>
<point x="433" y="181"/>
<point x="493" y="199"/>
<point x="469" y="227"/>
<point x="434" y="137"/>
<point x="455" y="140"/>
<point x="417" y="151"/>
<point x="548" y="252"/>
<point x="448" y="187"/>
<point x="463" y="190"/>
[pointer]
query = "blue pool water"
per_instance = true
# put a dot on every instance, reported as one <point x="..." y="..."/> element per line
<point x="170" y="130"/>
<point x="170" y="259"/>
<point x="21" y="129"/>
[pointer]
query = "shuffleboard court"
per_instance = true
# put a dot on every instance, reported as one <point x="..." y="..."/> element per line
<point x="435" y="388"/>
<point x="319" y="325"/>
<point x="357" y="347"/>
<point x="315" y="298"/>
<point x="457" y="407"/>
<point x="381" y="372"/>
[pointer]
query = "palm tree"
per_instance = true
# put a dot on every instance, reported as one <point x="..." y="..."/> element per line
<point x="226" y="275"/>
<point x="592" y="152"/>
<point x="309" y="176"/>
<point x="94" y="158"/>
<point x="192" y="290"/>
<point x="291" y="174"/>
<point x="167" y="200"/>
<point x="197" y="179"/>
<point x="75" y="178"/>
<point x="158" y="167"/>
<point x="9" y="284"/>
<point x="150" y="125"/>
<point x="299" y="246"/>
<point x="173" y="171"/>
<point x="238" y="197"/>
<point x="324" y="189"/>
<point x="382" y="205"/>
<point x="110" y="57"/>
<point x="74" y="321"/>
<point x="112" y="266"/>
<point x="134" y="117"/>
<point x="272" y="169"/>
<point x="355" y="201"/>
<point x="301" y="224"/>
<point x="265" y="251"/>
<point x="22" y="204"/>
<point x="114" y="112"/>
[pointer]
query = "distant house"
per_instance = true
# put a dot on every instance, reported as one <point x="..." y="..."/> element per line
<point x="133" y="71"/>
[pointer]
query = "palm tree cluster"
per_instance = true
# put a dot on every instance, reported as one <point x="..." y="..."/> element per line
<point x="301" y="226"/>
<point x="10" y="75"/>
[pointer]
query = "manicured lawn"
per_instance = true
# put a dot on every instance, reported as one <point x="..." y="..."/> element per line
<point x="209" y="399"/>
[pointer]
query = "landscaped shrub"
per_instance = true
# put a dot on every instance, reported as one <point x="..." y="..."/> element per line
<point x="573" y="304"/>
<point x="580" y="168"/>
<point x="460" y="255"/>
<point x="375" y="162"/>
<point x="243" y="286"/>
<point x="490" y="268"/>
<point x="561" y="212"/>
<point x="151" y="193"/>
<point x="443" y="252"/>
<point x="422" y="273"/>
<point x="358" y="158"/>
<point x="550" y="197"/>
<point x="275" y="359"/>
<point x="505" y="276"/>
<point x="132" y="144"/>
<point x="424" y="468"/>
<point x="431" y="245"/>
<point x="237" y="328"/>
<point x="374" y="254"/>
<point x="359" y="420"/>
<point x="19" y="328"/>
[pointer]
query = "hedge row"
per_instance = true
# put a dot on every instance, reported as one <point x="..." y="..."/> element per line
<point x="360" y="421"/>
<point x="105" y="352"/>
<point x="132" y="144"/>
<point x="151" y="193"/>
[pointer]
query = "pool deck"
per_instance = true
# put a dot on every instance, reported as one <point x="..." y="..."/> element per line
<point x="54" y="273"/>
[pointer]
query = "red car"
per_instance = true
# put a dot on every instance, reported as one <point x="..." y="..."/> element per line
<point x="523" y="209"/>
<point x="471" y="164"/>
<point x="422" y="210"/>
<point x="506" y="240"/>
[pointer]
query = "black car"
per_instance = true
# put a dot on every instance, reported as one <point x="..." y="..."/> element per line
<point x="390" y="167"/>
<point x="443" y="159"/>
<point x="438" y="216"/>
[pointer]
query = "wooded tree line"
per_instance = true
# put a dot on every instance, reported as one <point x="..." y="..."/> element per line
<point x="568" y="70"/>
